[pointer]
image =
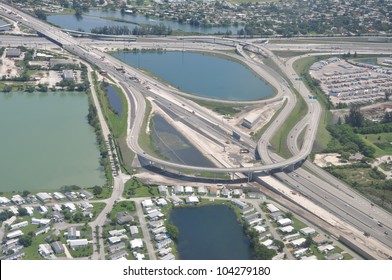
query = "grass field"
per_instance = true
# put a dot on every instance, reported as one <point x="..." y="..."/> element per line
<point x="123" y="206"/>
<point x="382" y="142"/>
<point x="136" y="188"/>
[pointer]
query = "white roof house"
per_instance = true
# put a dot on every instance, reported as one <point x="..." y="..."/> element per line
<point x="133" y="230"/>
<point x="30" y="210"/>
<point x="260" y="229"/>
<point x="71" y="207"/>
<point x="325" y="248"/>
<point x="163" y="190"/>
<point x="77" y="243"/>
<point x="188" y="190"/>
<point x="298" y="242"/>
<point x="56" y="207"/>
<point x="43" y="196"/>
<point x="308" y="231"/>
<point x="162" y="202"/>
<point x="285" y="222"/>
<point x="45" y="250"/>
<point x="267" y="242"/>
<point x="35" y="221"/>
<point x="117" y="239"/>
<point x="272" y="208"/>
<point x="147" y="203"/>
<point x="155" y="216"/>
<point x="117" y="232"/>
<point x="310" y="258"/>
<point x="286" y="229"/>
<point x="202" y="190"/>
<point x="58" y="195"/>
<point x="177" y="189"/>
<point x="239" y="203"/>
<point x="85" y="206"/>
<point x="136" y="243"/>
<point x="14" y="209"/>
<point x="42" y="209"/>
<point x="17" y="199"/>
<point x="4" y="200"/>
<point x="14" y="234"/>
<point x="300" y="252"/>
<point x="176" y="200"/>
<point x="292" y="236"/>
<point x="191" y="200"/>
<point x="19" y="225"/>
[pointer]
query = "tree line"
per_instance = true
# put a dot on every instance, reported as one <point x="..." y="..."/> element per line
<point x="138" y="30"/>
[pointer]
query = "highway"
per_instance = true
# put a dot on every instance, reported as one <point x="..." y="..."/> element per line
<point x="328" y="197"/>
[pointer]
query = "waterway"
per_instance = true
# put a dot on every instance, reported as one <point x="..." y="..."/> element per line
<point x="202" y="75"/>
<point x="114" y="99"/>
<point x="46" y="142"/>
<point x="99" y="18"/>
<point x="174" y="146"/>
<point x="210" y="233"/>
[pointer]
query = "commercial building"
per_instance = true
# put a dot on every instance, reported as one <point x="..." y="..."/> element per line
<point x="251" y="119"/>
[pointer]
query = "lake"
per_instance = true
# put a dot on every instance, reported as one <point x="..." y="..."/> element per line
<point x="174" y="146"/>
<point x="202" y="75"/>
<point x="46" y="142"/>
<point x="114" y="99"/>
<point x="99" y="18"/>
<point x="210" y="233"/>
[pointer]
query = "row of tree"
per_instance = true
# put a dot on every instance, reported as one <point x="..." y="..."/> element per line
<point x="138" y="30"/>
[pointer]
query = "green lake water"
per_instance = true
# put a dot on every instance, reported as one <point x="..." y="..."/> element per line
<point x="46" y="142"/>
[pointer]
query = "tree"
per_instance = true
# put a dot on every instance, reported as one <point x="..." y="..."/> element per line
<point x="25" y="240"/>
<point x="345" y="155"/>
<point x="355" y="118"/>
<point x="5" y="215"/>
<point x="172" y="230"/>
<point x="279" y="244"/>
<point x="25" y="193"/>
<point x="23" y="212"/>
<point x="308" y="242"/>
<point x="97" y="190"/>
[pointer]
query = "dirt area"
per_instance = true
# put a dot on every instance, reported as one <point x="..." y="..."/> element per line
<point x="266" y="112"/>
<point x="351" y="83"/>
<point x="8" y="67"/>
<point x="47" y="77"/>
<point x="381" y="160"/>
<point x="324" y="160"/>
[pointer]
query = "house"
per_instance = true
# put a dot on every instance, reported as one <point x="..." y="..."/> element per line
<point x="42" y="209"/>
<point x="14" y="234"/>
<point x="325" y="248"/>
<point x="239" y="203"/>
<point x="159" y="230"/>
<point x="267" y="242"/>
<point x="43" y="196"/>
<point x="320" y="240"/>
<point x="124" y="218"/>
<point x="134" y="231"/>
<point x="136" y="243"/>
<point x="237" y="193"/>
<point x="256" y="195"/>
<point x="70" y="206"/>
<point x="160" y="237"/>
<point x="45" y="250"/>
<point x="176" y="200"/>
<point x="57" y="216"/>
<point x="177" y="189"/>
<point x="117" y="239"/>
<point x="41" y="222"/>
<point x="286" y="229"/>
<point x="117" y="232"/>
<point x="272" y="208"/>
<point x="155" y="224"/>
<point x="188" y="190"/>
<point x="247" y="210"/>
<point x="260" y="229"/>
<point x="116" y="247"/>
<point x="147" y="203"/>
<point x="119" y="255"/>
<point x="14" y="210"/>
<point x="255" y="221"/>
<point x="30" y="210"/>
<point x="86" y="206"/>
<point x="285" y="222"/>
<point x="31" y="199"/>
<point x="19" y="225"/>
<point x="68" y="75"/>
<point x="201" y="190"/>
<point x="213" y="191"/>
<point x="309" y="258"/>
<point x="58" y="196"/>
<point x="163" y="243"/>
<point x="86" y="194"/>
<point x="77" y="243"/>
<point x="168" y="257"/>
<point x="42" y="231"/>
<point x="13" y="52"/>
<point x="298" y="242"/>
<point x="154" y="216"/>
<point x="58" y="247"/>
<point x="56" y="207"/>
<point x="308" y="231"/>
<point x="163" y="190"/>
<point x="292" y="236"/>
<point x="162" y="202"/>
<point x="192" y="200"/>
<point x="300" y="252"/>
<point x="16" y="256"/>
<point x="336" y="256"/>
<point x="225" y="193"/>
<point x="4" y="200"/>
<point x="164" y="251"/>
<point x="138" y="256"/>
<point x="73" y="233"/>
<point x="17" y="199"/>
